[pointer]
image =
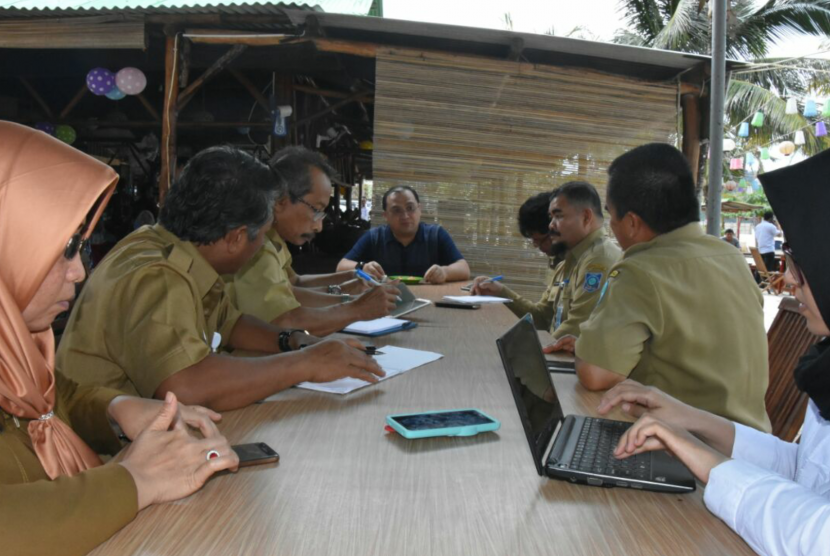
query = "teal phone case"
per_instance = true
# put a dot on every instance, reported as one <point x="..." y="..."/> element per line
<point x="468" y="430"/>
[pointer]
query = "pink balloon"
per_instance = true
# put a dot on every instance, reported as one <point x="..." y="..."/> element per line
<point x="100" y="81"/>
<point x="131" y="80"/>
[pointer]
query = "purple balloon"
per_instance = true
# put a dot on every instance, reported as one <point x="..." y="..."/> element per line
<point x="100" y="81"/>
<point x="45" y="127"/>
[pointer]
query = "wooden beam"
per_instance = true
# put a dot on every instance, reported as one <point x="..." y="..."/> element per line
<point x="691" y="131"/>
<point x="354" y="98"/>
<point x="251" y="88"/>
<point x="362" y="49"/>
<point x="38" y="99"/>
<point x="221" y="36"/>
<point x="149" y="107"/>
<point x="72" y="103"/>
<point x="328" y="93"/>
<point x="223" y="62"/>
<point x="170" y="116"/>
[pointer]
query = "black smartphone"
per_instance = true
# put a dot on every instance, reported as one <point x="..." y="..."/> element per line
<point x="456" y="305"/>
<point x="255" y="454"/>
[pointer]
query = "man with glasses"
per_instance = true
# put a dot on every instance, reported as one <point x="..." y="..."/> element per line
<point x="573" y="220"/>
<point x="267" y="286"/>
<point x="405" y="246"/>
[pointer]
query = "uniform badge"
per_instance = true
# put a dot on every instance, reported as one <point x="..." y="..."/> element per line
<point x="614" y="274"/>
<point x="592" y="281"/>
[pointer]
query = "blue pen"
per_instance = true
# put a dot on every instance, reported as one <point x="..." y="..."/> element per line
<point x="366" y="277"/>
<point x="498" y="278"/>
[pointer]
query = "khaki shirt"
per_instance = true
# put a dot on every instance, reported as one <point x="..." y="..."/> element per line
<point x="262" y="287"/>
<point x="148" y="311"/>
<point x="542" y="310"/>
<point x="682" y="313"/>
<point x="70" y="515"/>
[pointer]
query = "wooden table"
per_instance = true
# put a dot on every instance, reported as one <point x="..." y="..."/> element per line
<point x="346" y="487"/>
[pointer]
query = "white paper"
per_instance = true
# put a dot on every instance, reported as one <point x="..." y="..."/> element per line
<point x="374" y="326"/>
<point x="473" y="299"/>
<point x="393" y="360"/>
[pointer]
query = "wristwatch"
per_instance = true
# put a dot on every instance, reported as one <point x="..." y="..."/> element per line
<point x="335" y="290"/>
<point x="359" y="266"/>
<point x="283" y="341"/>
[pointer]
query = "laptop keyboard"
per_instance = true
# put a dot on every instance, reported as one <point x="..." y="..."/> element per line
<point x="595" y="451"/>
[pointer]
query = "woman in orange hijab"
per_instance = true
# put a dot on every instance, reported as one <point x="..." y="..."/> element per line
<point x="57" y="496"/>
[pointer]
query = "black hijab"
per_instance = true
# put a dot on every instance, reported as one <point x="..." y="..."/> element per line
<point x="800" y="197"/>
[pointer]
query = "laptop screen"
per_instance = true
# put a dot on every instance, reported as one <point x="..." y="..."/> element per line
<point x="527" y="373"/>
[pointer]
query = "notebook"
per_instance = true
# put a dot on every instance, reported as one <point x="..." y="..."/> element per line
<point x="378" y="327"/>
<point x="582" y="447"/>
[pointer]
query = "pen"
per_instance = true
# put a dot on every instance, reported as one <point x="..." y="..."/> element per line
<point x="372" y="350"/>
<point x="498" y="278"/>
<point x="366" y="277"/>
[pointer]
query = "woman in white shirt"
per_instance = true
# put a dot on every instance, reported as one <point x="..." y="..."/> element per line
<point x="775" y="494"/>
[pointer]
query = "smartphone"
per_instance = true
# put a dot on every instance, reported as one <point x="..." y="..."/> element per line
<point x="467" y="288"/>
<point x="457" y="305"/>
<point x="255" y="454"/>
<point x="453" y="422"/>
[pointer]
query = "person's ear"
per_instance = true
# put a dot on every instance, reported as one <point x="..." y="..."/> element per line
<point x="281" y="205"/>
<point x="587" y="217"/>
<point x="236" y="240"/>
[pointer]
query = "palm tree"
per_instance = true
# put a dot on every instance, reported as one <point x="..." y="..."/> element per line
<point x="684" y="25"/>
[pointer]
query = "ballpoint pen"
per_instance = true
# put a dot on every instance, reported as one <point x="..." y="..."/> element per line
<point x="372" y="350"/>
<point x="366" y="277"/>
<point x="498" y="278"/>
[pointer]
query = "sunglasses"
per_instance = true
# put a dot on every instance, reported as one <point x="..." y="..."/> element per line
<point x="797" y="273"/>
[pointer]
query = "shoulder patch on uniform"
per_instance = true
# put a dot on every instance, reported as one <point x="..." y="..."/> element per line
<point x="592" y="281"/>
<point x="614" y="274"/>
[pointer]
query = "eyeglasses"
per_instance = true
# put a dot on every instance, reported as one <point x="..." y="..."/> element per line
<point x="398" y="212"/>
<point x="793" y="266"/>
<point x="79" y="239"/>
<point x="318" y="214"/>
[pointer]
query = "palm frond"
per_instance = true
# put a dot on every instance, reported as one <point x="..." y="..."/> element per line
<point x="776" y="20"/>
<point x="643" y="17"/>
<point x="683" y="26"/>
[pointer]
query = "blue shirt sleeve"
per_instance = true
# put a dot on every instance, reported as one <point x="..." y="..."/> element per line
<point x="362" y="250"/>
<point x="448" y="253"/>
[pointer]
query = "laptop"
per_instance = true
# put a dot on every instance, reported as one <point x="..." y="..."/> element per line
<point x="583" y="447"/>
<point x="408" y="302"/>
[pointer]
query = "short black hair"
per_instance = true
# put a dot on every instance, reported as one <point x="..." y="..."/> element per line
<point x="769" y="216"/>
<point x="533" y="215"/>
<point x="219" y="190"/>
<point x="399" y="189"/>
<point x="581" y="194"/>
<point x="729" y="231"/>
<point x="654" y="181"/>
<point x="292" y="165"/>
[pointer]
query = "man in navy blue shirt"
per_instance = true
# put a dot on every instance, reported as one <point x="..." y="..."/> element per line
<point x="405" y="246"/>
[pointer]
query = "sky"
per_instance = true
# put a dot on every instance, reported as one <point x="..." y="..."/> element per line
<point x="598" y="18"/>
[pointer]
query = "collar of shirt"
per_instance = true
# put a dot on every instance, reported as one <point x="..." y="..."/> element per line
<point x="276" y="239"/>
<point x="689" y="231"/>
<point x="388" y="236"/>
<point x="185" y="255"/>
<point x="582" y="247"/>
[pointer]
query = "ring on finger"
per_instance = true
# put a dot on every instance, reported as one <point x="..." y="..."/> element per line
<point x="212" y="454"/>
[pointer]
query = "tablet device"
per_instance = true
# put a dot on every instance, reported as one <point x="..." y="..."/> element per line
<point x="453" y="422"/>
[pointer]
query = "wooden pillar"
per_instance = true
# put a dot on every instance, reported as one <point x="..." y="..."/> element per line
<point x="170" y="116"/>
<point x="691" y="131"/>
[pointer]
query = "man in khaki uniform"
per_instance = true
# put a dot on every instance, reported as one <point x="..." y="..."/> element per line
<point x="680" y="311"/>
<point x="267" y="286"/>
<point x="152" y="315"/>
<point x="575" y="228"/>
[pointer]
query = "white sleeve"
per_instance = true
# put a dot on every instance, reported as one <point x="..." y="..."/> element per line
<point x="765" y="450"/>
<point x="775" y="516"/>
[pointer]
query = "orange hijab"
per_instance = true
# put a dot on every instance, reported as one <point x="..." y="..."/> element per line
<point x="47" y="188"/>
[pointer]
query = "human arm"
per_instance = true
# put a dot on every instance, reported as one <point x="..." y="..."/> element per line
<point x="437" y="274"/>
<point x="362" y="251"/>
<point x="594" y="377"/>
<point x="316" y="280"/>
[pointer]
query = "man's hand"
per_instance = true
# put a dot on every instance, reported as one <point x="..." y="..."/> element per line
<point x="649" y="434"/>
<point x="435" y="275"/>
<point x="300" y="339"/>
<point x="355" y="286"/>
<point x="378" y="301"/>
<point x="480" y="287"/>
<point x="374" y="270"/>
<point x="565" y="343"/>
<point x="333" y="359"/>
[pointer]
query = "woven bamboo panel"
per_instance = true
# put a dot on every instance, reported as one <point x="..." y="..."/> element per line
<point x="476" y="137"/>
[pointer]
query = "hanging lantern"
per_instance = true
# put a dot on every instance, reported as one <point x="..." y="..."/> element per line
<point x="730" y="185"/>
<point x="749" y="160"/>
<point x="764" y="153"/>
<point x="792" y="106"/>
<point x="736" y="164"/>
<point x="787" y="148"/>
<point x="742" y="185"/>
<point x="821" y="129"/>
<point x="758" y="119"/>
<point x="728" y="144"/>
<point x="743" y="131"/>
<point x="799" y="137"/>
<point x="825" y="112"/>
<point x="810" y="109"/>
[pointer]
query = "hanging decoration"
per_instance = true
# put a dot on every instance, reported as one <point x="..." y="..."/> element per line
<point x="736" y="164"/>
<point x="786" y="148"/>
<point x="66" y="133"/>
<point x="825" y="111"/>
<point x="131" y="81"/>
<point x="758" y="119"/>
<point x="730" y="185"/>
<point x="765" y="153"/>
<point x="100" y="81"/>
<point x="742" y="186"/>
<point x="792" y="106"/>
<point x="821" y="129"/>
<point x="799" y="137"/>
<point x="749" y="160"/>
<point x="743" y="131"/>
<point x="45" y="127"/>
<point x="810" y="109"/>
<point x="728" y="145"/>
<point x="116" y="94"/>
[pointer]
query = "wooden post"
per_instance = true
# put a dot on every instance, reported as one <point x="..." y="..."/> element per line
<point x="75" y="100"/>
<point x="170" y="115"/>
<point x="691" y="131"/>
<point x="149" y="107"/>
<point x="38" y="99"/>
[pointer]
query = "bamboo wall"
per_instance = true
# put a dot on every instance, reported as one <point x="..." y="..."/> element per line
<point x="476" y="137"/>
